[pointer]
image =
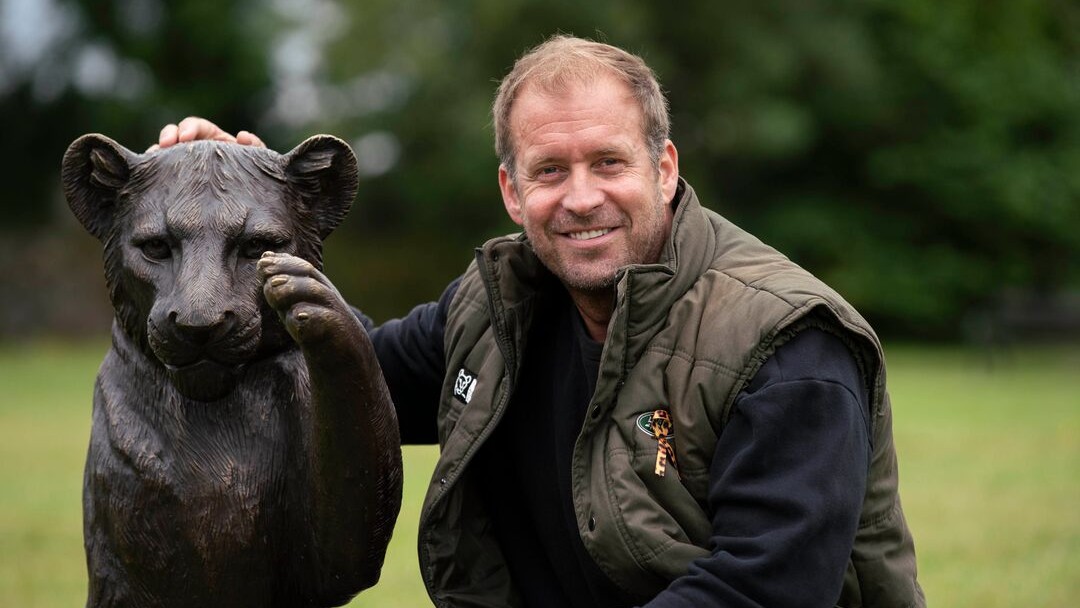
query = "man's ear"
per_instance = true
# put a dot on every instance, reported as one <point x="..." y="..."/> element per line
<point x="510" y="196"/>
<point x="669" y="171"/>
<point x="323" y="170"/>
<point x="94" y="170"/>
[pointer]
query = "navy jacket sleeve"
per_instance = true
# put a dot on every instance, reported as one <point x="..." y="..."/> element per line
<point x="786" y="484"/>
<point x="410" y="352"/>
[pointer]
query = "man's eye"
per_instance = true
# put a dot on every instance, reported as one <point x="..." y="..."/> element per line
<point x="548" y="173"/>
<point x="156" y="249"/>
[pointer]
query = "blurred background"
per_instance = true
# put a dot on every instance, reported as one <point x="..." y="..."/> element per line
<point x="922" y="157"/>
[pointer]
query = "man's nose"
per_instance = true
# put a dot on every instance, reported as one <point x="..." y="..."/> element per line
<point x="583" y="193"/>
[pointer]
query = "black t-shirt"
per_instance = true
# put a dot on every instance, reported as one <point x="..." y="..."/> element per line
<point x="533" y="515"/>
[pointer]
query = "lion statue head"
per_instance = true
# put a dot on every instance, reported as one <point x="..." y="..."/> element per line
<point x="182" y="229"/>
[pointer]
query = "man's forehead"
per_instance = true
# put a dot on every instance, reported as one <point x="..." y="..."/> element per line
<point x="600" y="117"/>
<point x="576" y="97"/>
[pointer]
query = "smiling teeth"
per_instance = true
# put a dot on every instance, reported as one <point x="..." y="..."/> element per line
<point x="589" y="234"/>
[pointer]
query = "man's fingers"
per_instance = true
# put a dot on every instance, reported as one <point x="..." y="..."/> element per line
<point x="168" y="136"/>
<point x="190" y="128"/>
<point x="193" y="127"/>
<point x="248" y="138"/>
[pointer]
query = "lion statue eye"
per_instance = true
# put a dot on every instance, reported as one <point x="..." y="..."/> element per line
<point x="156" y="249"/>
<point x="253" y="249"/>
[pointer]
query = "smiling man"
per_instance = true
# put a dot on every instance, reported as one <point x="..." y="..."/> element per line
<point x="584" y="184"/>
<point x="637" y="403"/>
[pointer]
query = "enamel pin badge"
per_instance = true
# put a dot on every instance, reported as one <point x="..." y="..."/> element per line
<point x="657" y="424"/>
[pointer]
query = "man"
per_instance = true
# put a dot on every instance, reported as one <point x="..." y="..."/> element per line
<point x="637" y="402"/>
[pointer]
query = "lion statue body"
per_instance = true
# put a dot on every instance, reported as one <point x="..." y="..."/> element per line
<point x="244" y="450"/>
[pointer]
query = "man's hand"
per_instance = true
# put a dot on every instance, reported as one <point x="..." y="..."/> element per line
<point x="193" y="127"/>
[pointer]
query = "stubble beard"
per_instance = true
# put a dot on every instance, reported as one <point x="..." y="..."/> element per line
<point x="598" y="277"/>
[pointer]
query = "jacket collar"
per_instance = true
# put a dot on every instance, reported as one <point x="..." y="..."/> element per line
<point x="647" y="291"/>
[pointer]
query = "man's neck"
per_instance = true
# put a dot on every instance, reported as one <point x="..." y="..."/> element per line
<point x="595" y="308"/>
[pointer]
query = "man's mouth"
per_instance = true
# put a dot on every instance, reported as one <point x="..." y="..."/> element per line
<point x="588" y="234"/>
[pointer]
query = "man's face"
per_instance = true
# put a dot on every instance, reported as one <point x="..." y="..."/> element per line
<point x="586" y="191"/>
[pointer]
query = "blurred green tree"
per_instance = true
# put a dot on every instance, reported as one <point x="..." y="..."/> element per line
<point x="121" y="67"/>
<point x="921" y="157"/>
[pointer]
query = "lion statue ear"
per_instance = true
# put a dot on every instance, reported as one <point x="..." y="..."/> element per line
<point x="323" y="170"/>
<point x="94" y="170"/>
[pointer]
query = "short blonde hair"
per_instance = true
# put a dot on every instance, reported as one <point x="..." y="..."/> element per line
<point x="562" y="60"/>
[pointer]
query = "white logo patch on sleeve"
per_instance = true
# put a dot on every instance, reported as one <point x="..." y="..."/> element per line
<point x="464" y="385"/>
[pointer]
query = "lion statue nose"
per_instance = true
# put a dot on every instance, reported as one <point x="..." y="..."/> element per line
<point x="203" y="329"/>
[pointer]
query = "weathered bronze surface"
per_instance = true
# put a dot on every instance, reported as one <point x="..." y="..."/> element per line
<point x="244" y="450"/>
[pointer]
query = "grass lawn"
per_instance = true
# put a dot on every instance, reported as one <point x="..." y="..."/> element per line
<point x="989" y="464"/>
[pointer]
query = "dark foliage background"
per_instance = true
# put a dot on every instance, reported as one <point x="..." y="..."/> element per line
<point x="922" y="157"/>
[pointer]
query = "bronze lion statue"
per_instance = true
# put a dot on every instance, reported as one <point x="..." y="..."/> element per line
<point x="244" y="450"/>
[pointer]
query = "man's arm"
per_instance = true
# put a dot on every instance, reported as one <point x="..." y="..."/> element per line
<point x="410" y="352"/>
<point x="787" y="484"/>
